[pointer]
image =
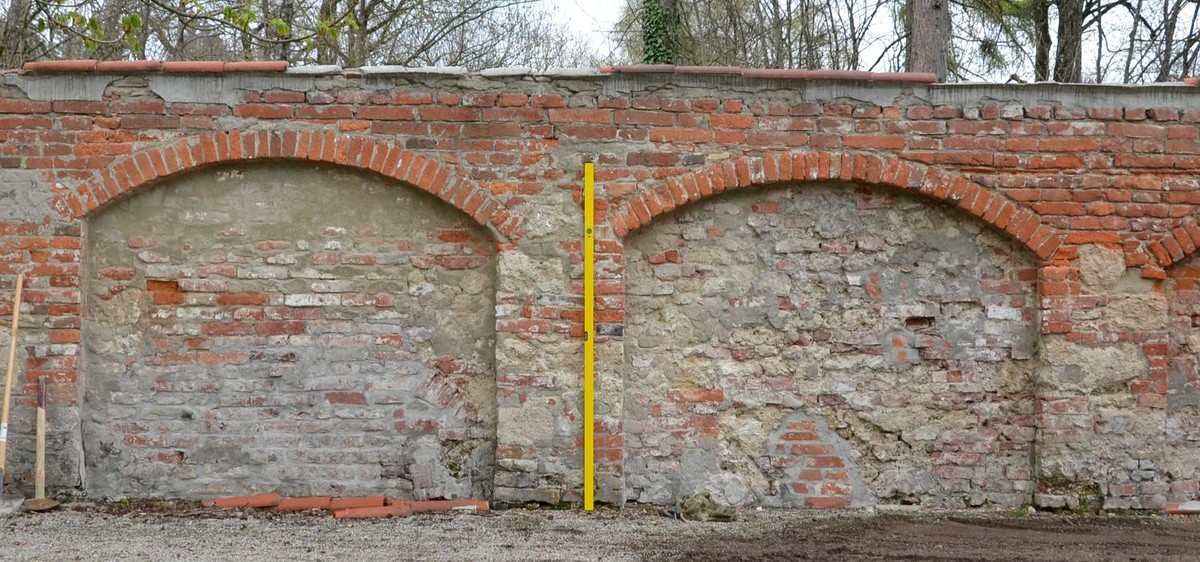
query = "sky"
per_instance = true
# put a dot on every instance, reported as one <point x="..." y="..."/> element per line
<point x="589" y="17"/>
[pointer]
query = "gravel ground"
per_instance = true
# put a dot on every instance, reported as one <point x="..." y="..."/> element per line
<point x="187" y="532"/>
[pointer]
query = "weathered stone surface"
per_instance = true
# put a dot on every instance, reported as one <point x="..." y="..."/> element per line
<point x="1090" y="368"/>
<point x="1100" y="268"/>
<point x="874" y="335"/>
<point x="20" y="198"/>
<point x="244" y="333"/>
<point x="1182" y="424"/>
<point x="1137" y="313"/>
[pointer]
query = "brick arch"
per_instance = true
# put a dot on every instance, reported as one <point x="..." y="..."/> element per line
<point x="141" y="168"/>
<point x="1175" y="246"/>
<point x="748" y="171"/>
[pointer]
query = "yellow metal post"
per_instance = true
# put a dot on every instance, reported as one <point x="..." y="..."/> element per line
<point x="589" y="336"/>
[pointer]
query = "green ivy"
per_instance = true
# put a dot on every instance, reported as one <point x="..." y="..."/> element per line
<point x="656" y="35"/>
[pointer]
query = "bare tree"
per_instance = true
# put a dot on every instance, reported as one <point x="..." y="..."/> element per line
<point x="764" y="33"/>
<point x="17" y="42"/>
<point x="1068" y="60"/>
<point x="346" y="32"/>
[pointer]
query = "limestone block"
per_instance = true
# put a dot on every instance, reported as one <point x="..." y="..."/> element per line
<point x="1137" y="313"/>
<point x="1100" y="268"/>
<point x="1090" y="369"/>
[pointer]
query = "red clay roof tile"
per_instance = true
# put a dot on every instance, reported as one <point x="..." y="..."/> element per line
<point x="60" y="66"/>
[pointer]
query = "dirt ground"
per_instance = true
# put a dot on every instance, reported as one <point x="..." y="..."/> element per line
<point x="181" y="531"/>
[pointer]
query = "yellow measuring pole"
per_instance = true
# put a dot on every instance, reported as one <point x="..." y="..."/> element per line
<point x="589" y="336"/>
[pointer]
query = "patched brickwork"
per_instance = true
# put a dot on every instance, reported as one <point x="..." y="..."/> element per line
<point x="1087" y="194"/>
<point x="1183" y="394"/>
<point x="905" y="326"/>
<point x="290" y="326"/>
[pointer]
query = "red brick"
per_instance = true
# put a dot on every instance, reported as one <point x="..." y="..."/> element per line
<point x="697" y="395"/>
<point x="436" y="113"/>
<point x="443" y="506"/>
<point x="346" y="398"/>
<point x="826" y="462"/>
<point x="279" y="328"/>
<point x="388" y="113"/>
<point x="601" y="116"/>
<point x="357" y="502"/>
<point x="827" y="502"/>
<point x="302" y="504"/>
<point x="263" y="111"/>
<point x="325" y="112"/>
<point x="258" y="500"/>
<point x="885" y="142"/>
<point x="8" y="105"/>
<point x="373" y="512"/>
<point x="226" y="328"/>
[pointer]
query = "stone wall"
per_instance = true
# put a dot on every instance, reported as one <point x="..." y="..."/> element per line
<point x="774" y="346"/>
<point x="828" y="345"/>
<point x="1175" y="474"/>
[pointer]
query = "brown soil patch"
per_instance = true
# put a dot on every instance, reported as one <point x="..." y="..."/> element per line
<point x="894" y="537"/>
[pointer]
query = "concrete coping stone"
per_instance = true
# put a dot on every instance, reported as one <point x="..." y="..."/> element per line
<point x="319" y="69"/>
<point x="506" y="71"/>
<point x="384" y="70"/>
<point x="572" y="73"/>
<point x="774" y="73"/>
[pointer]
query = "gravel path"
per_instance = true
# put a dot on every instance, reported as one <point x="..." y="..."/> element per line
<point x="635" y="534"/>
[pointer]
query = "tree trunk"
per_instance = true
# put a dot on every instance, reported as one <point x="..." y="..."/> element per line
<point x="928" y="36"/>
<point x="15" y="47"/>
<point x="1068" y="61"/>
<point x="326" y="45"/>
<point x="1041" y="40"/>
<point x="1172" y="19"/>
<point x="674" y="35"/>
<point x="287" y="13"/>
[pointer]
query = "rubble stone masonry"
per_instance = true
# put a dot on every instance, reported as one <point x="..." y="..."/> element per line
<point x="813" y="289"/>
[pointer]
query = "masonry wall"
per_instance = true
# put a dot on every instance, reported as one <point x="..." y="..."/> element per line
<point x="828" y="345"/>
<point x="312" y="328"/>
<point x="1043" y="336"/>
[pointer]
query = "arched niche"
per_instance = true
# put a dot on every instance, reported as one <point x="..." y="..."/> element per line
<point x="287" y="325"/>
<point x="828" y="344"/>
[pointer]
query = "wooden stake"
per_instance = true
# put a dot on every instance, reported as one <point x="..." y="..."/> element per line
<point x="12" y="357"/>
<point x="39" y="471"/>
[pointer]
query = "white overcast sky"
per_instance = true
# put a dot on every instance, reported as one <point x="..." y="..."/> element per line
<point x="589" y="17"/>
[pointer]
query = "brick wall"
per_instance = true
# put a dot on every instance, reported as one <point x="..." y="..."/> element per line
<point x="1081" y="195"/>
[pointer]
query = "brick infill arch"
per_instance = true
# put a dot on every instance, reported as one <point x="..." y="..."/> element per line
<point x="145" y="166"/>
<point x="1175" y="246"/>
<point x="746" y="171"/>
